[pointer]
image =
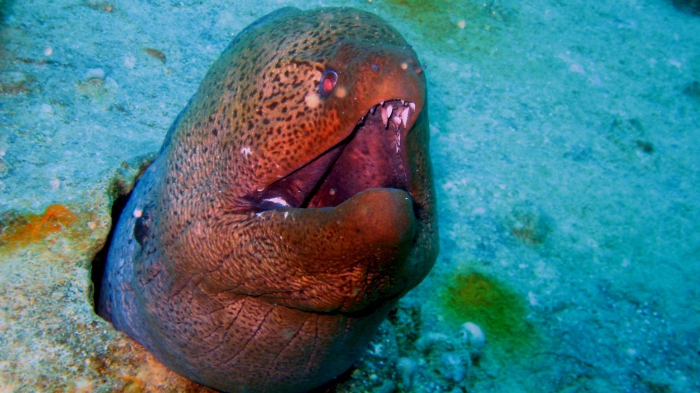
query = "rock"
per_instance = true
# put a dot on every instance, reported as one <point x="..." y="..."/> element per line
<point x="475" y="337"/>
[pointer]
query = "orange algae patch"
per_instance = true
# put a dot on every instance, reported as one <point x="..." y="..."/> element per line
<point x="31" y="228"/>
<point x="500" y="312"/>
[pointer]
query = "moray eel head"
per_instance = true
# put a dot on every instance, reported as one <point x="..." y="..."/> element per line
<point x="290" y="207"/>
<point x="339" y="118"/>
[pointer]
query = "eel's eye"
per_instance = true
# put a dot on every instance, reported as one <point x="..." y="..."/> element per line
<point x="328" y="81"/>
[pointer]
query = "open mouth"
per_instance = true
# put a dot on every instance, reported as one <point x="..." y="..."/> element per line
<point x="373" y="156"/>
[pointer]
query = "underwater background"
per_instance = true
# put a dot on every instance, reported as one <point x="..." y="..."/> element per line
<point x="565" y="137"/>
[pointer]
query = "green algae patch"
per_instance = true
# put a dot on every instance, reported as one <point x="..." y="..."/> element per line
<point x="454" y="26"/>
<point x="499" y="311"/>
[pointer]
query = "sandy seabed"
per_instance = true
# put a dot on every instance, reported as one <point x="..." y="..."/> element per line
<point x="566" y="144"/>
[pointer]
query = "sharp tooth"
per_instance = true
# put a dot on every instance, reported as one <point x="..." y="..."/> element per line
<point x="405" y="116"/>
<point x="396" y="120"/>
<point x="385" y="117"/>
<point x="389" y="110"/>
<point x="381" y="103"/>
<point x="371" y="111"/>
<point x="412" y="105"/>
<point x="403" y="102"/>
<point x="277" y="200"/>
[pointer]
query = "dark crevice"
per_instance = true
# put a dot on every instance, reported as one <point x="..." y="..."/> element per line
<point x="100" y="259"/>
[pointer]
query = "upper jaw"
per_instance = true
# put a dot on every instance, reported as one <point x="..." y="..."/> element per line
<point x="396" y="115"/>
<point x="398" y="112"/>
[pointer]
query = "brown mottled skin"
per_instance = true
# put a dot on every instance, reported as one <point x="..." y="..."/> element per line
<point x="245" y="295"/>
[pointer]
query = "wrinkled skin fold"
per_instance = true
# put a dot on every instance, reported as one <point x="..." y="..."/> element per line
<point x="285" y="214"/>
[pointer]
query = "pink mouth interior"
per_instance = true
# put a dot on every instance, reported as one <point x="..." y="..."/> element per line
<point x="372" y="157"/>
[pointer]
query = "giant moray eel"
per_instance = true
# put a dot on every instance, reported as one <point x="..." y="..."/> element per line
<point x="289" y="209"/>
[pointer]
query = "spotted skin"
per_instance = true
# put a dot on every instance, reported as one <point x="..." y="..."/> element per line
<point x="249" y="299"/>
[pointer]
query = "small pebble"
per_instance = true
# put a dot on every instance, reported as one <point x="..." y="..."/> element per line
<point x="129" y="61"/>
<point x="94" y="75"/>
<point x="479" y="211"/>
<point x="577" y="68"/>
<point x="452" y="367"/>
<point x="475" y="337"/>
<point x="158" y="54"/>
<point x="533" y="299"/>
<point x="406" y="368"/>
